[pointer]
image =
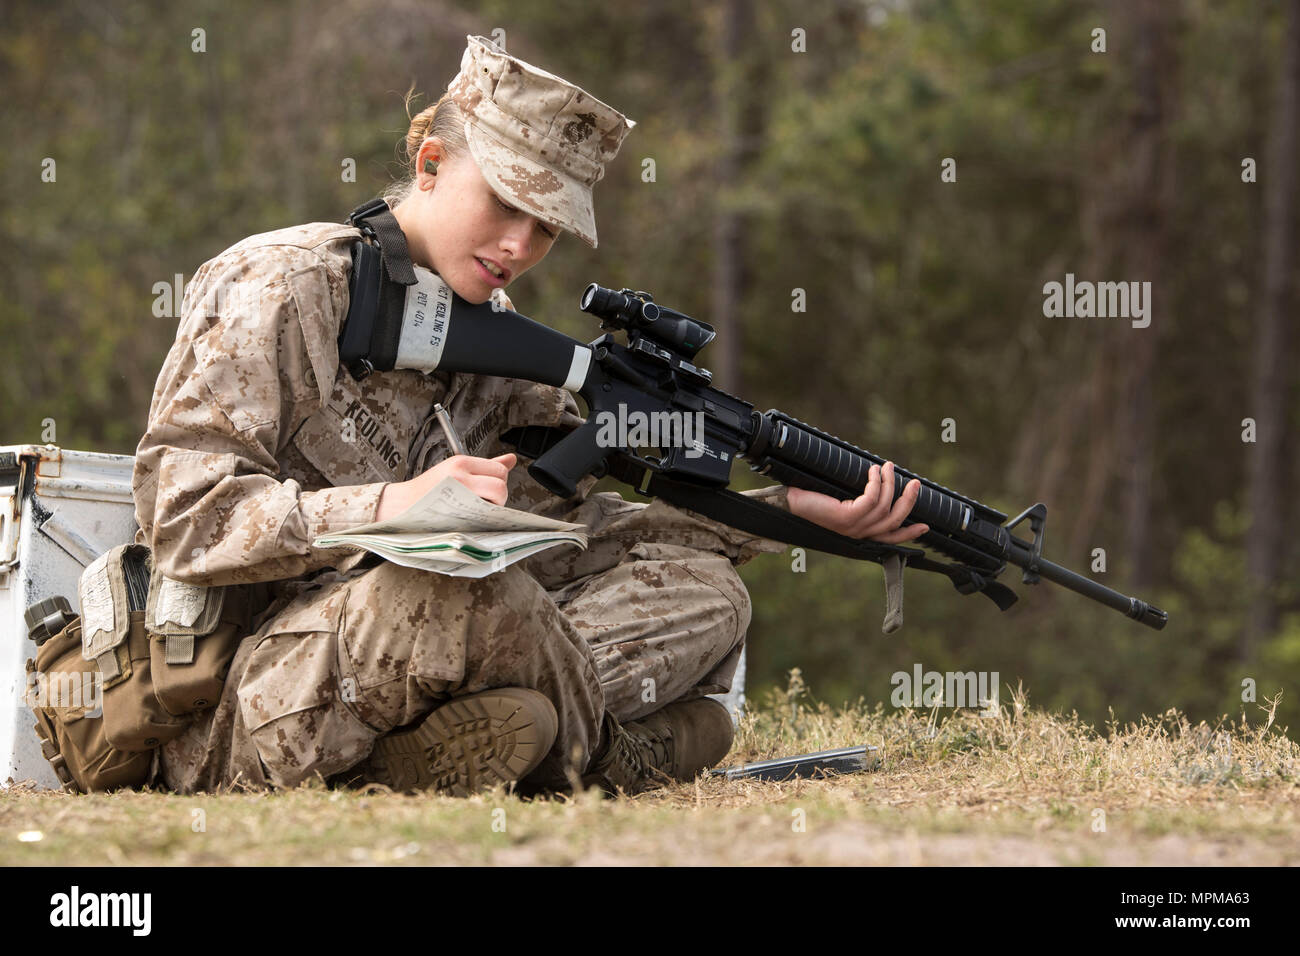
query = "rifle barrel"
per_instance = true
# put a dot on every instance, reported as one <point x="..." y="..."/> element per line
<point x="1137" y="609"/>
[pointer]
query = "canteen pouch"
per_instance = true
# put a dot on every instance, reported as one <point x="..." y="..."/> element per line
<point x="113" y="593"/>
<point x="65" y="693"/>
<point x="194" y="633"/>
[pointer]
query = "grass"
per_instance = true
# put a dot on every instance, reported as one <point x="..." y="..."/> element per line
<point x="1020" y="786"/>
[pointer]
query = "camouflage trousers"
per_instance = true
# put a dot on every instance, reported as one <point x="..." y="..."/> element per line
<point x="651" y="612"/>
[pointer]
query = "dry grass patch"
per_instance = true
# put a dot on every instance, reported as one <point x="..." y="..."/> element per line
<point x="1019" y="786"/>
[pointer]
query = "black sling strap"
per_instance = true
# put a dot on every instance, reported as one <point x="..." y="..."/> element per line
<point x="376" y="220"/>
<point x="766" y="521"/>
<point x="368" y="341"/>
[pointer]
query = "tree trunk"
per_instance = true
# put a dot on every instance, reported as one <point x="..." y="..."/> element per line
<point x="1272" y="343"/>
<point x="1131" y="203"/>
<point x="728" y="254"/>
<point x="1150" y="204"/>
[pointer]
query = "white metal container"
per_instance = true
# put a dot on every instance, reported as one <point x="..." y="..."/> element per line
<point x="59" y="510"/>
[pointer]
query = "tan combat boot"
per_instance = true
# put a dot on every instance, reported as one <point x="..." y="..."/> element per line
<point x="468" y="744"/>
<point x="672" y="744"/>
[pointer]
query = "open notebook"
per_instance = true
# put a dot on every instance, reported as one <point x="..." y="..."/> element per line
<point x="453" y="531"/>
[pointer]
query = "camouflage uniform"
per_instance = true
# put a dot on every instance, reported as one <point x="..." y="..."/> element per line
<point x="247" y="459"/>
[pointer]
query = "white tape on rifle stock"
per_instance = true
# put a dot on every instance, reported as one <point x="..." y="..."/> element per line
<point x="578" y="368"/>
<point x="426" y="319"/>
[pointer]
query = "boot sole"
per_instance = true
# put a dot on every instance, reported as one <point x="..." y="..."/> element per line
<point x="469" y="744"/>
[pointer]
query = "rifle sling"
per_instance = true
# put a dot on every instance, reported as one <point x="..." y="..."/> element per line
<point x="762" y="519"/>
<point x="383" y="288"/>
<point x="767" y="521"/>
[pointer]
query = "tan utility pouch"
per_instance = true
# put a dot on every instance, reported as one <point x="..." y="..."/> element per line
<point x="114" y="637"/>
<point x="65" y="693"/>
<point x="194" y="633"/>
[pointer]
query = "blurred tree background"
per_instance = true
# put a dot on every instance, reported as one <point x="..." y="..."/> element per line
<point x="795" y="146"/>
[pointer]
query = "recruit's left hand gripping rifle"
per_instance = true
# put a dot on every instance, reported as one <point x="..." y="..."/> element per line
<point x="653" y="377"/>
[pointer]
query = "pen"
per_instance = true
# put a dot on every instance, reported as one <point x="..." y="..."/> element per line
<point x="453" y="440"/>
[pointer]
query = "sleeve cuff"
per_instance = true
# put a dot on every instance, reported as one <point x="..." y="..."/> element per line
<point x="338" y="509"/>
<point x="775" y="495"/>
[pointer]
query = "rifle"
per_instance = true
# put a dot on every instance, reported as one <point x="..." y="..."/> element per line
<point x="654" y="376"/>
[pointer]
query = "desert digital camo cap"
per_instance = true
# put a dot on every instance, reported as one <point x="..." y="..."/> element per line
<point x="536" y="138"/>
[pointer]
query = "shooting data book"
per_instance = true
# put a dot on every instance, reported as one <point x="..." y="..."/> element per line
<point x="453" y="531"/>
